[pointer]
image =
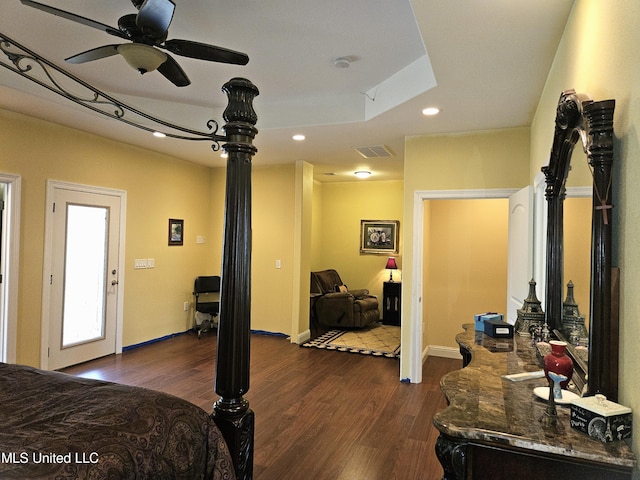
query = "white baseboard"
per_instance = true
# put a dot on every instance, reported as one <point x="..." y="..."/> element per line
<point x="303" y="337"/>
<point x="440" y="351"/>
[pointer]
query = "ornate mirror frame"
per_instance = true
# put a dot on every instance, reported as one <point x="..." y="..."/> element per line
<point x="579" y="117"/>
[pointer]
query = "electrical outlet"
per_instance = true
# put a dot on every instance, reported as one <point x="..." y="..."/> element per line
<point x="186" y="306"/>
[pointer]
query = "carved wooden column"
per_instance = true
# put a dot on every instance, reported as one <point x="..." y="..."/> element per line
<point x="567" y="133"/>
<point x="453" y="457"/>
<point x="555" y="258"/>
<point x="231" y="412"/>
<point x="603" y="328"/>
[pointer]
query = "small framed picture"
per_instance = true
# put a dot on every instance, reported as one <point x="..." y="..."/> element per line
<point x="379" y="236"/>
<point x="176" y="231"/>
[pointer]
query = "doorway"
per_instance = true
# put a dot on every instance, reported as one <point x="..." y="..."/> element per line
<point x="465" y="266"/>
<point x="82" y="293"/>
<point x="412" y="331"/>
<point x="9" y="258"/>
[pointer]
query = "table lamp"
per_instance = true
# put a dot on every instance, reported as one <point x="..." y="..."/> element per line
<point x="391" y="266"/>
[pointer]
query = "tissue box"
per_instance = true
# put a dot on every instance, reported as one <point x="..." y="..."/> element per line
<point x="601" y="418"/>
<point x="480" y="318"/>
<point x="497" y="328"/>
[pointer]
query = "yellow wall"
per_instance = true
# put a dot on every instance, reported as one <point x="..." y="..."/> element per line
<point x="273" y="225"/>
<point x="598" y="55"/>
<point x="316" y="227"/>
<point x="478" y="160"/>
<point x="158" y="188"/>
<point x="344" y="205"/>
<point x="302" y="252"/>
<point x="465" y="270"/>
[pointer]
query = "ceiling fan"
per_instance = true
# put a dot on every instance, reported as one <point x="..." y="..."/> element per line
<point x="147" y="30"/>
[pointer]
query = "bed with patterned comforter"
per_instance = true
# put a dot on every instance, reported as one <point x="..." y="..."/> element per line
<point x="57" y="426"/>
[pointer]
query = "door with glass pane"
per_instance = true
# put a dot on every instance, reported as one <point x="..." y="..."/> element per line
<point x="84" y="276"/>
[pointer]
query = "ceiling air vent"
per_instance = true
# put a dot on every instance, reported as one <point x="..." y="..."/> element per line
<point x="375" y="151"/>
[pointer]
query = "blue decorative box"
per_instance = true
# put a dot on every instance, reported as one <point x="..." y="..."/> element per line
<point x="480" y="318"/>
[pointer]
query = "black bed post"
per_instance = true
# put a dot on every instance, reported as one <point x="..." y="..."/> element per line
<point x="231" y="412"/>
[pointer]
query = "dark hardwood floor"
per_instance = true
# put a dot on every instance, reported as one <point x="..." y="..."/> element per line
<point x="321" y="415"/>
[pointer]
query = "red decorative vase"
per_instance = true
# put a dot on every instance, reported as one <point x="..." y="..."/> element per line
<point x="558" y="362"/>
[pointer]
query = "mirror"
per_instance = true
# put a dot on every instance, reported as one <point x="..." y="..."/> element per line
<point x="578" y="117"/>
<point x="577" y="252"/>
<point x="577" y="230"/>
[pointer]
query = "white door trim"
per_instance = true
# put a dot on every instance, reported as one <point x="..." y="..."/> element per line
<point x="414" y="359"/>
<point x="11" y="267"/>
<point x="52" y="185"/>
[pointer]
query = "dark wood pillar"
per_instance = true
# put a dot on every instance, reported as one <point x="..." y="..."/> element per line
<point x="231" y="412"/>
<point x="555" y="258"/>
<point x="603" y="326"/>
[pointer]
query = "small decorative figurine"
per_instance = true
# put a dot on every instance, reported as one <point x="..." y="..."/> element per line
<point x="557" y="379"/>
<point x="572" y="322"/>
<point x="530" y="314"/>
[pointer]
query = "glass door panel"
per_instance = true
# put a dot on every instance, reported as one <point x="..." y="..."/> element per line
<point x="85" y="274"/>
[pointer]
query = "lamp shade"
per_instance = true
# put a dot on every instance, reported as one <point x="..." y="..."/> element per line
<point x="391" y="265"/>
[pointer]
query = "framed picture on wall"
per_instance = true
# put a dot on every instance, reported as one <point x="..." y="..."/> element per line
<point x="379" y="236"/>
<point x="176" y="231"/>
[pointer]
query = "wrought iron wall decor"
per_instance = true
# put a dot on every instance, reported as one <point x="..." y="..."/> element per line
<point x="38" y="69"/>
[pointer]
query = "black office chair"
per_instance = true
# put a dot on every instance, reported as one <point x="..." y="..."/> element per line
<point x="205" y="290"/>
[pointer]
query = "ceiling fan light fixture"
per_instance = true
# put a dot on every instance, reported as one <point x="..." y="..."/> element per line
<point x="143" y="58"/>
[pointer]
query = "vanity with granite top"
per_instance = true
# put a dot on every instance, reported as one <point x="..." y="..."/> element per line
<point x="494" y="429"/>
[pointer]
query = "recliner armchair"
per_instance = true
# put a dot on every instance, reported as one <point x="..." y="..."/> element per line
<point x="338" y="307"/>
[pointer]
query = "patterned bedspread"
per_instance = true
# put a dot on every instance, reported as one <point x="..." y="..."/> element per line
<point x="56" y="426"/>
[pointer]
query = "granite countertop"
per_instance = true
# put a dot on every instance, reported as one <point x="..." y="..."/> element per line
<point x="485" y="407"/>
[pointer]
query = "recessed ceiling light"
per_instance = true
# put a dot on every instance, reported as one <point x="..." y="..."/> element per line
<point x="299" y="137"/>
<point x="159" y="134"/>
<point x="431" y="111"/>
<point x="362" y="173"/>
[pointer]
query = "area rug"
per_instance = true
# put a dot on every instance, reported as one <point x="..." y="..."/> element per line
<point x="377" y="340"/>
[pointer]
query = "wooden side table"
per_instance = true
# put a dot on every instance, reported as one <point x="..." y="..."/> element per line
<point x="391" y="300"/>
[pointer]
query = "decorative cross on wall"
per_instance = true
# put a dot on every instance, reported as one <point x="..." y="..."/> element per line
<point x="604" y="207"/>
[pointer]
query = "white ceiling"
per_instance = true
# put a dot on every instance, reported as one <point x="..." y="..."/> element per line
<point x="483" y="62"/>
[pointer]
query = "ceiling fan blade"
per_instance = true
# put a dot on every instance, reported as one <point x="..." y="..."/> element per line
<point x="74" y="18"/>
<point x="174" y="73"/>
<point x="202" y="51"/>
<point x="154" y="18"/>
<point x="93" y="54"/>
